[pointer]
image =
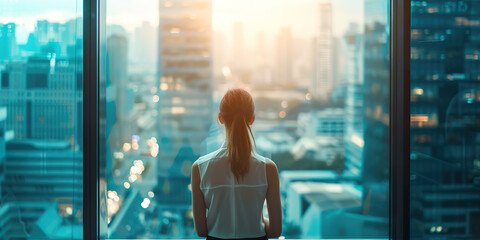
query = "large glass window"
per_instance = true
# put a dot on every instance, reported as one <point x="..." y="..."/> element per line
<point x="445" y="120"/>
<point x="319" y="74"/>
<point x="41" y="119"/>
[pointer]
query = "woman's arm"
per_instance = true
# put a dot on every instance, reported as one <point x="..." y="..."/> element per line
<point x="273" y="225"/>
<point x="198" y="204"/>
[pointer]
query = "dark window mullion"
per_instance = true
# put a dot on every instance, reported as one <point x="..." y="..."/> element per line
<point x="399" y="119"/>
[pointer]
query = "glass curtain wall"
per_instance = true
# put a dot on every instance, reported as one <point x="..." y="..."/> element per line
<point x="41" y="119"/>
<point x="319" y="75"/>
<point x="445" y="119"/>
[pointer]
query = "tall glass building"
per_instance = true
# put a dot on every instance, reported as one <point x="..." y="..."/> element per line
<point x="445" y="100"/>
<point x="184" y="90"/>
<point x="376" y="96"/>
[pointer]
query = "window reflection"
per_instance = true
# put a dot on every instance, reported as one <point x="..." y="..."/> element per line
<point x="445" y="193"/>
<point x="41" y="115"/>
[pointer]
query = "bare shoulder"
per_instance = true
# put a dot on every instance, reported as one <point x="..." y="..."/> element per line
<point x="195" y="170"/>
<point x="271" y="168"/>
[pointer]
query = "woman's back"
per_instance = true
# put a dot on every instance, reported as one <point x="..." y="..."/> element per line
<point x="230" y="185"/>
<point x="234" y="207"/>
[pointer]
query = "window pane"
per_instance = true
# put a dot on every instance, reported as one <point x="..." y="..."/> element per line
<point x="41" y="119"/>
<point x="319" y="75"/>
<point x="445" y="116"/>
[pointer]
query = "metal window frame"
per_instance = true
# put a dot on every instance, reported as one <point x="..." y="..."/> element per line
<point x="399" y="119"/>
<point x="399" y="187"/>
<point x="90" y="120"/>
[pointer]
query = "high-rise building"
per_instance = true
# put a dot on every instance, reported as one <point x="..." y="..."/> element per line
<point x="44" y="98"/>
<point x="184" y="97"/>
<point x="238" y="48"/>
<point x="8" y="42"/>
<point x="29" y="191"/>
<point x="146" y="45"/>
<point x="375" y="171"/>
<point x="220" y="53"/>
<point x="3" y="128"/>
<point x="61" y="34"/>
<point x="284" y="58"/>
<point x="354" y="122"/>
<point x="323" y="50"/>
<point x="117" y="74"/>
<point x="445" y="100"/>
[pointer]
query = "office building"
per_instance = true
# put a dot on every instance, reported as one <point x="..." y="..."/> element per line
<point x="32" y="192"/>
<point x="323" y="46"/>
<point x="8" y="41"/>
<point x="444" y="135"/>
<point x="238" y="48"/>
<point x="184" y="97"/>
<point x="117" y="74"/>
<point x="284" y="57"/>
<point x="354" y="124"/>
<point x="376" y="99"/>
<point x="324" y="123"/>
<point x="44" y="99"/>
<point x="146" y="45"/>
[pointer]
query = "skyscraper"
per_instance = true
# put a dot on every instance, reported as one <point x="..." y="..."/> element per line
<point x="354" y="122"/>
<point x="323" y="67"/>
<point x="445" y="108"/>
<point x="8" y="41"/>
<point x="238" y="48"/>
<point x="146" y="45"/>
<point x="376" y="62"/>
<point x="184" y="97"/>
<point x="43" y="97"/>
<point x="284" y="57"/>
<point x="117" y="48"/>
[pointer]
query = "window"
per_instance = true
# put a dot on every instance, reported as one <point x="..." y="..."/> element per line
<point x="319" y="73"/>
<point x="41" y="195"/>
<point x="445" y="111"/>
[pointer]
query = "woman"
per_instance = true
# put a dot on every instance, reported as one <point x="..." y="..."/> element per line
<point x="230" y="185"/>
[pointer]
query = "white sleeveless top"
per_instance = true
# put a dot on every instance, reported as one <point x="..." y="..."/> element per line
<point x="234" y="209"/>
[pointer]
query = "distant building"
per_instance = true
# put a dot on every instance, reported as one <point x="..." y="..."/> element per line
<point x="274" y="142"/>
<point x="220" y="53"/>
<point x="44" y="99"/>
<point x="284" y="57"/>
<point x="316" y="148"/>
<point x="57" y="178"/>
<point x="185" y="83"/>
<point x="354" y="122"/>
<point x="3" y="129"/>
<point x="8" y="41"/>
<point x="323" y="50"/>
<point x="314" y="205"/>
<point x="238" y="48"/>
<point x="145" y="50"/>
<point x="445" y="113"/>
<point x="324" y="123"/>
<point x="61" y="34"/>
<point x="117" y="74"/>
<point x="376" y="117"/>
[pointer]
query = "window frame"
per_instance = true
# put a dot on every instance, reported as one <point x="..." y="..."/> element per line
<point x="91" y="120"/>
<point x="399" y="186"/>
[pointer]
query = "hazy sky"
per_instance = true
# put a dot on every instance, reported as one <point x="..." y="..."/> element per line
<point x="257" y="15"/>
